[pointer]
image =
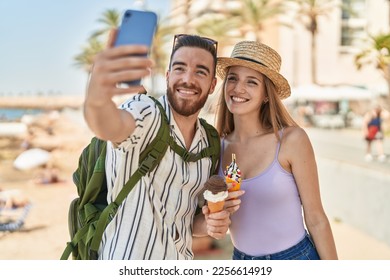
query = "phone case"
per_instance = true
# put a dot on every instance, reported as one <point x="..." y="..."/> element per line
<point x="137" y="27"/>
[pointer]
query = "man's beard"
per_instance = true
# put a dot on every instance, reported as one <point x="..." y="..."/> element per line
<point x="185" y="107"/>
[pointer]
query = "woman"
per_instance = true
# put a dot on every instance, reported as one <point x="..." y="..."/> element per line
<point x="373" y="131"/>
<point x="281" y="214"/>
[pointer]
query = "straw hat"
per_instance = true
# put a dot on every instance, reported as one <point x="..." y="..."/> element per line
<point x="259" y="57"/>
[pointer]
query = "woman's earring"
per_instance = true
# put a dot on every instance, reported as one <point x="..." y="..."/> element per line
<point x="265" y="101"/>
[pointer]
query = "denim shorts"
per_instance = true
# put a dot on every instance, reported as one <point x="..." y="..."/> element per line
<point x="304" y="250"/>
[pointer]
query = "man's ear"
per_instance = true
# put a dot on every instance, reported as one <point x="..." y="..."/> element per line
<point x="213" y="85"/>
<point x="167" y="76"/>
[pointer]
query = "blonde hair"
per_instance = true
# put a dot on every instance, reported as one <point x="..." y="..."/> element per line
<point x="273" y="115"/>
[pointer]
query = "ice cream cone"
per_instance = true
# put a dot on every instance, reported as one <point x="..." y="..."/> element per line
<point x="233" y="175"/>
<point x="216" y="206"/>
<point x="235" y="185"/>
<point x="215" y="193"/>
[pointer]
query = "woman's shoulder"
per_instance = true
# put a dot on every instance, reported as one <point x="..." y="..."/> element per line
<point x="296" y="143"/>
<point x="294" y="133"/>
<point x="294" y="137"/>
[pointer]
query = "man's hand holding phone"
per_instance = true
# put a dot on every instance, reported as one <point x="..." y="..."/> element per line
<point x="124" y="60"/>
<point x="117" y="64"/>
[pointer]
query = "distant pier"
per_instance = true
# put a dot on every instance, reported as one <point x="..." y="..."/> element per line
<point x="42" y="102"/>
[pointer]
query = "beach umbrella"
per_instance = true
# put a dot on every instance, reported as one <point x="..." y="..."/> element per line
<point x="330" y="93"/>
<point x="12" y="129"/>
<point x="31" y="158"/>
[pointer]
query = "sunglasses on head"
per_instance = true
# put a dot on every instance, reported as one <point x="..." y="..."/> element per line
<point x="209" y="40"/>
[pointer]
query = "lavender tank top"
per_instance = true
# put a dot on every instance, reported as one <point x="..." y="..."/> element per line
<point x="270" y="216"/>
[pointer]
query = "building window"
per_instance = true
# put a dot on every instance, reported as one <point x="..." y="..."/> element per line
<point x="353" y="23"/>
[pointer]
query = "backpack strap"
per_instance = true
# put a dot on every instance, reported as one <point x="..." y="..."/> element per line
<point x="212" y="135"/>
<point x="149" y="159"/>
<point x="214" y="145"/>
<point x="212" y="150"/>
<point x="160" y="142"/>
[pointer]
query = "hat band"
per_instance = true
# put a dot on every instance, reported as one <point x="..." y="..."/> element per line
<point x="251" y="60"/>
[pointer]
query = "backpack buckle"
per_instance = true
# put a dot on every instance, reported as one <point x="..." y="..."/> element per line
<point x="112" y="211"/>
<point x="186" y="156"/>
<point x="93" y="255"/>
<point x="147" y="164"/>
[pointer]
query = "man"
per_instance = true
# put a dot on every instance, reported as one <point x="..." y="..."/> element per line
<point x="157" y="220"/>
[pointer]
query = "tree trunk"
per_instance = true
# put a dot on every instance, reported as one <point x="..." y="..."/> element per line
<point x="89" y="73"/>
<point x="313" y="58"/>
<point x="187" y="6"/>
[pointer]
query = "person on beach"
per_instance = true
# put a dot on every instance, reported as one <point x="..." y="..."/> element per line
<point x="48" y="175"/>
<point x="157" y="220"/>
<point x="373" y="131"/>
<point x="281" y="214"/>
<point x="14" y="208"/>
<point x="13" y="198"/>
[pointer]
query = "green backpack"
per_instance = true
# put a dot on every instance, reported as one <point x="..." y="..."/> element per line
<point x="89" y="214"/>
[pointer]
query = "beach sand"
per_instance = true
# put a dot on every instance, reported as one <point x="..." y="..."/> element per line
<point x="45" y="233"/>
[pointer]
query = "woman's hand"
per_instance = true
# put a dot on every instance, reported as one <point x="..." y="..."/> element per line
<point x="232" y="202"/>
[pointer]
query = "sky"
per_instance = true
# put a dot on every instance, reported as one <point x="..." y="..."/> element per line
<point x="39" y="39"/>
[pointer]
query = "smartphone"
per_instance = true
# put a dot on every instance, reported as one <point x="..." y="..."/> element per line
<point x="137" y="28"/>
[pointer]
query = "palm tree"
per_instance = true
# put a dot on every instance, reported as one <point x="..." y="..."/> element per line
<point x="85" y="58"/>
<point x="226" y="23"/>
<point x="251" y="15"/>
<point x="182" y="9"/>
<point x="378" y="53"/>
<point x="160" y="49"/>
<point x="96" y="43"/>
<point x="187" y="7"/>
<point x="217" y="28"/>
<point x="247" y="16"/>
<point x="308" y="13"/>
<point x="110" y="19"/>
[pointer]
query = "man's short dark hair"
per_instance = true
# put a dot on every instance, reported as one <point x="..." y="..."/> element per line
<point x="184" y="40"/>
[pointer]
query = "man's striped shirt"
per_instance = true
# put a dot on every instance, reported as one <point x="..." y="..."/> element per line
<point x="155" y="221"/>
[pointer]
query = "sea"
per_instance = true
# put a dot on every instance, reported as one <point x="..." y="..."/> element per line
<point x="15" y="114"/>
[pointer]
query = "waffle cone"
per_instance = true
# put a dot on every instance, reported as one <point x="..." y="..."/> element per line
<point x="215" y="206"/>
<point x="236" y="185"/>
